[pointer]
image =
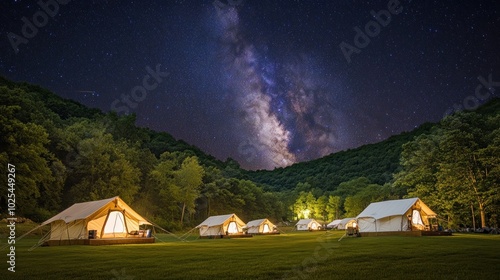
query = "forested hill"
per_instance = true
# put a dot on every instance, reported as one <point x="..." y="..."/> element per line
<point x="53" y="106"/>
<point x="376" y="162"/>
<point x="66" y="153"/>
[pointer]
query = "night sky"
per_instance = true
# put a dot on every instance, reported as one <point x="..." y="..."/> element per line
<point x="268" y="83"/>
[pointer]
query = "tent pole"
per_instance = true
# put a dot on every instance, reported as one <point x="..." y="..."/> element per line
<point x="343" y="236"/>
<point x="125" y="222"/>
<point x="40" y="242"/>
<point x="104" y="225"/>
<point x="22" y="236"/>
<point x="60" y="236"/>
<point x="67" y="231"/>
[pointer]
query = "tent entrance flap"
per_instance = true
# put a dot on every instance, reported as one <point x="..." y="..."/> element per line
<point x="266" y="229"/>
<point x="115" y="224"/>
<point x="416" y="219"/>
<point x="232" y="228"/>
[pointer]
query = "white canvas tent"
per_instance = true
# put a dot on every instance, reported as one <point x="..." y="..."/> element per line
<point x="395" y="215"/>
<point x="110" y="218"/>
<point x="333" y="224"/>
<point x="260" y="226"/>
<point x="308" y="224"/>
<point x="347" y="222"/>
<point x="221" y="225"/>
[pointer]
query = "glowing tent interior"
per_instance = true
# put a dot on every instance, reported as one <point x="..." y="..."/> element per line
<point x="221" y="225"/>
<point x="107" y="221"/>
<point x="308" y="224"/>
<point x="395" y="215"/>
<point x="261" y="226"/>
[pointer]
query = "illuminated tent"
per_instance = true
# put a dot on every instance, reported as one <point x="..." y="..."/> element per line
<point x="107" y="218"/>
<point x="333" y="224"/>
<point x="221" y="225"/>
<point x="395" y="215"/>
<point x="347" y="222"/>
<point x="260" y="226"/>
<point x="308" y="224"/>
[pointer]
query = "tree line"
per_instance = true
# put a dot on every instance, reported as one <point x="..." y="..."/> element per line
<point x="65" y="153"/>
<point x="455" y="169"/>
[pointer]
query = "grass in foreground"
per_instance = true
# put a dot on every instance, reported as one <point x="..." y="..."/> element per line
<point x="304" y="255"/>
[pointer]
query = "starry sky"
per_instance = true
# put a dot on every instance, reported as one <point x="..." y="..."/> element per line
<point x="267" y="83"/>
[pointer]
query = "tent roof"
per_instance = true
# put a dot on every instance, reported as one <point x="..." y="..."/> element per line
<point x="346" y="220"/>
<point x="305" y="221"/>
<point x="333" y="223"/>
<point x="256" y="223"/>
<point x="379" y="210"/>
<point x="84" y="210"/>
<point x="219" y="220"/>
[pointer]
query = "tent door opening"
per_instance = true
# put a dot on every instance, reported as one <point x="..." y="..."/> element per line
<point x="115" y="223"/>
<point x="266" y="229"/>
<point x="232" y="228"/>
<point x="416" y="220"/>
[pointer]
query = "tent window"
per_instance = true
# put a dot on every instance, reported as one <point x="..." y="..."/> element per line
<point x="266" y="228"/>
<point x="232" y="227"/>
<point x="115" y="223"/>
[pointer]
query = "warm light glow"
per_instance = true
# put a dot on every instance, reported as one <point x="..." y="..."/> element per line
<point x="305" y="213"/>
<point x="232" y="228"/>
<point x="416" y="219"/>
<point x="266" y="228"/>
<point x="115" y="223"/>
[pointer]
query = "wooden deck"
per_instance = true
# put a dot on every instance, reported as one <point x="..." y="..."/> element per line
<point x="436" y="233"/>
<point x="226" y="236"/>
<point x="405" y="233"/>
<point x="103" y="241"/>
<point x="268" y="233"/>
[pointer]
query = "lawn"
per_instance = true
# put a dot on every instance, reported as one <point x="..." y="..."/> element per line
<point x="295" y="255"/>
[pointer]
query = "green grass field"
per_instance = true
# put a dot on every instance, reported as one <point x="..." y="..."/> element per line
<point x="295" y="255"/>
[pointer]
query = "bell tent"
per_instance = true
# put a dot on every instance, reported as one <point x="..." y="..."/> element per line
<point x="395" y="215"/>
<point x="103" y="219"/>
<point x="261" y="226"/>
<point x="308" y="224"/>
<point x="221" y="225"/>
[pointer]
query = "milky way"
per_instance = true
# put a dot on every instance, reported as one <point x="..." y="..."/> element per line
<point x="263" y="82"/>
<point x="286" y="111"/>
